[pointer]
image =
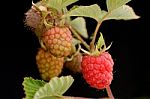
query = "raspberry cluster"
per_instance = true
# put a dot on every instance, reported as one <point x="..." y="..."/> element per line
<point x="56" y="38"/>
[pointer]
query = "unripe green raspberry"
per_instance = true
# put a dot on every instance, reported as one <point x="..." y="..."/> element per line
<point x="49" y="66"/>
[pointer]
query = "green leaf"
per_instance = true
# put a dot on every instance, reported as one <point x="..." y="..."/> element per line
<point x="113" y="4"/>
<point x="31" y="86"/>
<point x="124" y="12"/>
<point x="65" y="3"/>
<point x="56" y="87"/>
<point x="103" y="13"/>
<point x="59" y="4"/>
<point x="79" y="25"/>
<point x="92" y="11"/>
<point x="100" y="42"/>
<point x="52" y="97"/>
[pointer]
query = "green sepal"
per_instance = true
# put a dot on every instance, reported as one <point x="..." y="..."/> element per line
<point x="100" y="42"/>
<point x="101" y="46"/>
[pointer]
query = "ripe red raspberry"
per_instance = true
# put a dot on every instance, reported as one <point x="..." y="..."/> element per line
<point x="48" y="65"/>
<point x="75" y="64"/>
<point x="97" y="70"/>
<point x="58" y="41"/>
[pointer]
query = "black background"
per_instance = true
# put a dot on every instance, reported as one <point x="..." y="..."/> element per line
<point x="130" y="52"/>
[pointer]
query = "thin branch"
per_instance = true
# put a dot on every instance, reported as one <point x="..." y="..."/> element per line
<point x="92" y="46"/>
<point x="79" y="37"/>
<point x="110" y="95"/>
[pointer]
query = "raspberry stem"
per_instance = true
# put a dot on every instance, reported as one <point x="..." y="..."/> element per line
<point x="92" y="46"/>
<point x="110" y="95"/>
<point x="79" y="37"/>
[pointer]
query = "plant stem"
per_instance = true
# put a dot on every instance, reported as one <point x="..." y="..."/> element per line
<point x="79" y="37"/>
<point x="110" y="95"/>
<point x="92" y="46"/>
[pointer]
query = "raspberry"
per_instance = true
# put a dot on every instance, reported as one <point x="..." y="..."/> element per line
<point x="58" y="41"/>
<point x="75" y="64"/>
<point x="48" y="65"/>
<point x="97" y="70"/>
